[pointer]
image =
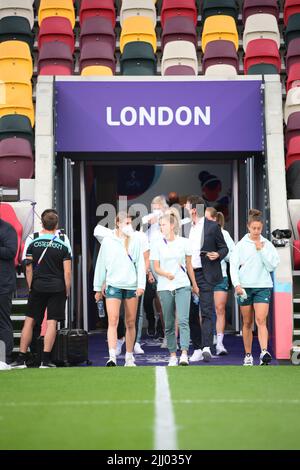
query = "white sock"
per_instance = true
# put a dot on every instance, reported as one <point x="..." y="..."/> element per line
<point x="129" y="355"/>
<point x="112" y="353"/>
<point x="220" y="337"/>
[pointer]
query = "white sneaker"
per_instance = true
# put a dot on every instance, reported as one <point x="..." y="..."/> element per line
<point x="196" y="356"/>
<point x="4" y="366"/>
<point x="215" y="340"/>
<point x="120" y="343"/>
<point x="207" y="355"/>
<point x="112" y="362"/>
<point x="130" y="362"/>
<point x="265" y="358"/>
<point x="248" y="360"/>
<point x="184" y="360"/>
<point x="221" y="350"/>
<point x="137" y="349"/>
<point x="173" y="361"/>
<point x="164" y="344"/>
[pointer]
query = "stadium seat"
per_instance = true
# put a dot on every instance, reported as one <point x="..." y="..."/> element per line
<point x="296" y="244"/>
<point x="293" y="151"/>
<point x="291" y="7"/>
<point x="293" y="168"/>
<point x="60" y="8"/>
<point x="15" y="60"/>
<point x="8" y="214"/>
<point x="138" y="58"/>
<point x="220" y="52"/>
<point x="16" y="28"/>
<point x="56" y="29"/>
<point x="91" y="8"/>
<point x="219" y="7"/>
<point x="179" y="70"/>
<point x="136" y="28"/>
<point x="55" y="58"/>
<point x="292" y="127"/>
<point x="221" y="70"/>
<point x="99" y="29"/>
<point x="219" y="27"/>
<point x="253" y="7"/>
<point x="178" y="29"/>
<point x="97" y="54"/>
<point x="22" y="8"/>
<point x="262" y="51"/>
<point x="178" y="8"/>
<point x="16" y="161"/>
<point x="261" y="26"/>
<point x="293" y="78"/>
<point x="292" y="30"/>
<point x="18" y="99"/>
<point x="145" y="8"/>
<point x="292" y="103"/>
<point x="96" y="70"/>
<point x="293" y="54"/>
<point x="14" y="125"/>
<point x="179" y="53"/>
<point x="262" y="69"/>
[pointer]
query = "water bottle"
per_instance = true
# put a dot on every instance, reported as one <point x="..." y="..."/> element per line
<point x="101" y="311"/>
<point x="195" y="298"/>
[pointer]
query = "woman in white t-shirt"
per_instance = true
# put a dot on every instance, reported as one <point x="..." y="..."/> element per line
<point x="171" y="256"/>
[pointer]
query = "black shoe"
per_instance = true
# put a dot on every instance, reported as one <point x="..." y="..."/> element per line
<point x="19" y="363"/>
<point x="110" y="363"/>
<point x="151" y="331"/>
<point x="47" y="365"/>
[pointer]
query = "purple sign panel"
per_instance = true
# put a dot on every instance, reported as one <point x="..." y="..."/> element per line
<point x="160" y="116"/>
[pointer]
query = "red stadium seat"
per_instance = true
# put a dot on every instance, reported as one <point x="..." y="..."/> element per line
<point x="252" y="7"/>
<point x="262" y="51"/>
<point x="171" y="8"/>
<point x="8" y="214"/>
<point x="296" y="254"/>
<point x="56" y="28"/>
<point x="97" y="54"/>
<point x="91" y="8"/>
<point x="220" y="52"/>
<point x="293" y="78"/>
<point x="290" y="8"/>
<point x="293" y="54"/>
<point x="16" y="161"/>
<point x="178" y="28"/>
<point x="179" y="70"/>
<point x="293" y="151"/>
<point x="55" y="58"/>
<point x="98" y="29"/>
<point x="292" y="127"/>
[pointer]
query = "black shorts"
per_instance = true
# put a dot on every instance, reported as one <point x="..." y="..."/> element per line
<point x="54" y="302"/>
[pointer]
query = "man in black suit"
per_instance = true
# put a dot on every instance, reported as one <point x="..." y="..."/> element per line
<point x="209" y="248"/>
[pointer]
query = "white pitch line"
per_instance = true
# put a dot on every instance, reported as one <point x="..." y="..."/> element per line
<point x="165" y="428"/>
<point x="221" y="401"/>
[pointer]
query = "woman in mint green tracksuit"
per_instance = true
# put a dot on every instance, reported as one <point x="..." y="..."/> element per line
<point x="120" y="275"/>
<point x="251" y="263"/>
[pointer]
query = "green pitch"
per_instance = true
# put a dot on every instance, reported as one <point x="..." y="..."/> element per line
<point x="98" y="408"/>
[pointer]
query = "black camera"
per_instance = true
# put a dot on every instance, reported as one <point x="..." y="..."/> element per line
<point x="281" y="237"/>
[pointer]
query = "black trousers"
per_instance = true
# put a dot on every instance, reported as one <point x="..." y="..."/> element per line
<point x="149" y="296"/>
<point x="202" y="334"/>
<point x="6" y="326"/>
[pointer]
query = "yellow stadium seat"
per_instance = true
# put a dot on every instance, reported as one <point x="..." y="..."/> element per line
<point x="138" y="28"/>
<point x="15" y="61"/>
<point x="219" y="27"/>
<point x="96" y="70"/>
<point x="64" y="8"/>
<point x="16" y="98"/>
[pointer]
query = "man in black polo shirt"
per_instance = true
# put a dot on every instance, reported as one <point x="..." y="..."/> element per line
<point x="8" y="250"/>
<point x="48" y="274"/>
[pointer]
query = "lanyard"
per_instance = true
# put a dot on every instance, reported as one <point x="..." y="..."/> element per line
<point x="181" y="267"/>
